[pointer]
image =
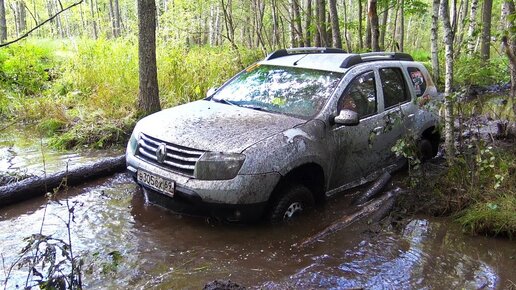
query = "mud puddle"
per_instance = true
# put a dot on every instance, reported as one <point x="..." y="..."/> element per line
<point x="162" y="250"/>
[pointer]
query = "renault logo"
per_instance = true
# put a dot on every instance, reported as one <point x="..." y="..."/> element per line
<point x="161" y="152"/>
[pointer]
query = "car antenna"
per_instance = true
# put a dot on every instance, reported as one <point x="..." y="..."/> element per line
<point x="295" y="62"/>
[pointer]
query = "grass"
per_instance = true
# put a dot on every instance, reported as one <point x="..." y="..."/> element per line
<point x="478" y="186"/>
<point x="83" y="93"/>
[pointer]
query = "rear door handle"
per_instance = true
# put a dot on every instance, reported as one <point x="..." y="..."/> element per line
<point x="411" y="116"/>
<point x="378" y="130"/>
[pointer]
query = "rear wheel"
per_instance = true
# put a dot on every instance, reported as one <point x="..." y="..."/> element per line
<point x="293" y="200"/>
<point x="425" y="149"/>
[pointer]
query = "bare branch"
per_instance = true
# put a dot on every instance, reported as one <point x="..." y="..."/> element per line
<point x="41" y="24"/>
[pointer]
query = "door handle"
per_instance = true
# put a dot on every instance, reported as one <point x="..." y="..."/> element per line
<point x="378" y="130"/>
<point x="411" y="116"/>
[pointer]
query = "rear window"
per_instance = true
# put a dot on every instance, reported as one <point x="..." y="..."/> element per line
<point x="394" y="87"/>
<point x="418" y="81"/>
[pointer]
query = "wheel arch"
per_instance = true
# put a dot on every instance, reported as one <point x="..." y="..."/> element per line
<point x="310" y="175"/>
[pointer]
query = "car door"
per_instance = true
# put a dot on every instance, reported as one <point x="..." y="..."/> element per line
<point x="354" y="146"/>
<point x="381" y="97"/>
<point x="397" y="108"/>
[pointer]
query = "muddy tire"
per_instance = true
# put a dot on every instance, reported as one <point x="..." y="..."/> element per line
<point x="295" y="199"/>
<point x="426" y="149"/>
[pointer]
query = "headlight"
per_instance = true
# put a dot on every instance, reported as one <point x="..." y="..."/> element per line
<point x="218" y="166"/>
<point x="132" y="146"/>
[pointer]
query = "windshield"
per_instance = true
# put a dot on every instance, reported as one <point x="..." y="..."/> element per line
<point x="287" y="90"/>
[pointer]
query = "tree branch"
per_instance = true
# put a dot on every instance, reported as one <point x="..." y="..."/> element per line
<point x="39" y="25"/>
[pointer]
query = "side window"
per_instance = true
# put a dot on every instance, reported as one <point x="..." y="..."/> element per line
<point x="394" y="87"/>
<point x="418" y="80"/>
<point x="360" y="95"/>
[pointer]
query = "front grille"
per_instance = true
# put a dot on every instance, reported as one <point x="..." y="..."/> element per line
<point x="178" y="159"/>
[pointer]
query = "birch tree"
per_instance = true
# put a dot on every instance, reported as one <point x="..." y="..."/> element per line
<point x="448" y="80"/>
<point x="3" y="23"/>
<point x="472" y="26"/>
<point x="486" y="29"/>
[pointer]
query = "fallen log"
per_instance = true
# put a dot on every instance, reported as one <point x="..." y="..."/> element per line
<point x="374" y="189"/>
<point x="381" y="204"/>
<point x="39" y="185"/>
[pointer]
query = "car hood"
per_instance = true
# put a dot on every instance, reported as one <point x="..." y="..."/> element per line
<point x="211" y="126"/>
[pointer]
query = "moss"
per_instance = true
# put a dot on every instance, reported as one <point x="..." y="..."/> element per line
<point x="493" y="217"/>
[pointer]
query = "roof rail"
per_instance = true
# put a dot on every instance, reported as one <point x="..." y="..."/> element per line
<point x="301" y="50"/>
<point x="372" y="56"/>
<point x="388" y="55"/>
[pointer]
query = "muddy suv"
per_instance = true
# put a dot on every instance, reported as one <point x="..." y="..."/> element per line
<point x="292" y="129"/>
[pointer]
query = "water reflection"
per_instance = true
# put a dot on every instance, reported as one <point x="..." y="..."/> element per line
<point x="19" y="153"/>
<point x="161" y="250"/>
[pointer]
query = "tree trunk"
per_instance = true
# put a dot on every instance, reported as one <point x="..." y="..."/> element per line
<point x="434" y="37"/>
<point x="3" y="23"/>
<point x="292" y="29"/>
<point x="472" y="26"/>
<point x="346" y="36"/>
<point x="402" y="26"/>
<point x="334" y="19"/>
<point x="308" y="23"/>
<point x="448" y="44"/>
<point x="148" y="95"/>
<point x="298" y="26"/>
<point x="486" y="30"/>
<point x="320" y="19"/>
<point x="93" y="20"/>
<point x="368" y="33"/>
<point x="375" y="30"/>
<point x="275" y="25"/>
<point x="461" y="26"/>
<point x="112" y="19"/>
<point x="360" y="40"/>
<point x="39" y="186"/>
<point x="118" y="21"/>
<point x="385" y="17"/>
<point x="22" y="16"/>
<point x="509" y="46"/>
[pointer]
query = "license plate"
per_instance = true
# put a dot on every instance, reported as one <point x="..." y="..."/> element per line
<point x="156" y="182"/>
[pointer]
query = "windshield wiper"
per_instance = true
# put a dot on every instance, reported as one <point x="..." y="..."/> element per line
<point x="253" y="107"/>
<point x="224" y="101"/>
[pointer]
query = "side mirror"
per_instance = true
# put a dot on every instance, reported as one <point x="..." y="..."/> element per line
<point x="347" y="117"/>
<point x="210" y="92"/>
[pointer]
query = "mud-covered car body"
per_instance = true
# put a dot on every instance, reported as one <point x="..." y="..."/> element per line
<point x="225" y="156"/>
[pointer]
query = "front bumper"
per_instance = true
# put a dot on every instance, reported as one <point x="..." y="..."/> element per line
<point x="241" y="198"/>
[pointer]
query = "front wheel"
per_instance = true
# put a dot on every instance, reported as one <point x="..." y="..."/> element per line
<point x="293" y="200"/>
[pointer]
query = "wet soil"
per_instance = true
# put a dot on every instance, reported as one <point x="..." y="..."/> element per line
<point x="163" y="250"/>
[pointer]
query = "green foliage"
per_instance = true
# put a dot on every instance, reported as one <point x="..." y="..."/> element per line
<point x="471" y="70"/>
<point x="26" y="69"/>
<point x="90" y="98"/>
<point x="185" y="74"/>
<point x="51" y="126"/>
<point x="494" y="217"/>
<point x="478" y="187"/>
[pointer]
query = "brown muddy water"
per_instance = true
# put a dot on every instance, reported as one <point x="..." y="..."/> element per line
<point x="162" y="250"/>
